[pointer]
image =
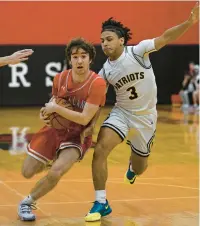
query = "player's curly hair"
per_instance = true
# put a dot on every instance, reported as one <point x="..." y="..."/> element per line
<point x="118" y="28"/>
<point x="80" y="43"/>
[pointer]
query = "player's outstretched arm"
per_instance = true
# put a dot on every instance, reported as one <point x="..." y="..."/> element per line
<point x="16" y="57"/>
<point x="175" y="32"/>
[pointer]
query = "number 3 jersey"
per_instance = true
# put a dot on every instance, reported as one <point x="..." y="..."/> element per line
<point x="133" y="78"/>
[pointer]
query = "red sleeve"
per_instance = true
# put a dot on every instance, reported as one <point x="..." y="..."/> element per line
<point x="55" y="85"/>
<point x="97" y="92"/>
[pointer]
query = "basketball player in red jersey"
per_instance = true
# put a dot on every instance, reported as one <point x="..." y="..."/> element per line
<point x="85" y="90"/>
<point x="16" y="57"/>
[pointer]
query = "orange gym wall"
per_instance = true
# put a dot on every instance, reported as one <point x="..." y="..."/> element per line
<point x="57" y="22"/>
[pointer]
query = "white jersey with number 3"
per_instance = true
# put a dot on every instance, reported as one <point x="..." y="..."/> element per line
<point x="133" y="78"/>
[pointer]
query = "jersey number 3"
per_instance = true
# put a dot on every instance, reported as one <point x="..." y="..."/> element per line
<point x="133" y="95"/>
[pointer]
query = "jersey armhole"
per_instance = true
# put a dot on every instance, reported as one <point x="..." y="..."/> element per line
<point x="140" y="59"/>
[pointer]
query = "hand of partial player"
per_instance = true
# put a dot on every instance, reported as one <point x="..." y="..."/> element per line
<point x="86" y="132"/>
<point x="44" y="117"/>
<point x="194" y="15"/>
<point x="50" y="107"/>
<point x="19" y="56"/>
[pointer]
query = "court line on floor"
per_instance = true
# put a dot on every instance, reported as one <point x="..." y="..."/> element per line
<point x="170" y="185"/>
<point x="114" y="181"/>
<point x="115" y="200"/>
<point x="111" y="179"/>
<point x="22" y="196"/>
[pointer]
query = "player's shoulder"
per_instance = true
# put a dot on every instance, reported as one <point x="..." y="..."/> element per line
<point x="106" y="64"/>
<point x="129" y="49"/>
<point x="97" y="79"/>
<point x="61" y="75"/>
<point x="144" y="43"/>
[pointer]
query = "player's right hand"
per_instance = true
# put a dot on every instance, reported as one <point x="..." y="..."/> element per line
<point x="88" y="131"/>
<point x="194" y="15"/>
<point x="44" y="117"/>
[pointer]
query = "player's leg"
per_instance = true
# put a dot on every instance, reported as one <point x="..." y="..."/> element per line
<point x="40" y="153"/>
<point x="68" y="153"/>
<point x="32" y="166"/>
<point x="195" y="95"/>
<point x="107" y="140"/>
<point x="64" y="162"/>
<point x="185" y="100"/>
<point x="140" y="142"/>
<point x="137" y="165"/>
<point x="197" y="99"/>
<point x="112" y="133"/>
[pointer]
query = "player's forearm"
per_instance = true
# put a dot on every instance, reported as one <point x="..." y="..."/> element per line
<point x="174" y="33"/>
<point x="73" y="116"/>
<point x="4" y="61"/>
<point x="94" y="120"/>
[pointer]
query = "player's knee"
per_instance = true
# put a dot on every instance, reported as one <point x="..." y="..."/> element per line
<point x="54" y="175"/>
<point x="31" y="166"/>
<point x="101" y="151"/>
<point x="28" y="172"/>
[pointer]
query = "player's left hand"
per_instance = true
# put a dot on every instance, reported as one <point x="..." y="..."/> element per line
<point x="44" y="118"/>
<point x="86" y="132"/>
<point x="50" y="107"/>
<point x="194" y="15"/>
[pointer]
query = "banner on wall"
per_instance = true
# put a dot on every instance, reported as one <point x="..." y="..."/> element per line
<point x="30" y="83"/>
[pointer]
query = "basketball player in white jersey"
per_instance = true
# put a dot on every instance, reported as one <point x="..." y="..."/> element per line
<point x="129" y="70"/>
<point x="16" y="57"/>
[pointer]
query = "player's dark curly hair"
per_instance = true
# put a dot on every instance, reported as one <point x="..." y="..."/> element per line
<point x="80" y="43"/>
<point x="118" y="28"/>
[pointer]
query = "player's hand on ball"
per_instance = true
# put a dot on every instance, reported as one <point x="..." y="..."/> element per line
<point x="50" y="107"/>
<point x="44" y="118"/>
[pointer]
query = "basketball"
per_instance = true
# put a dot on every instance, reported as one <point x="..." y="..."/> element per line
<point x="57" y="121"/>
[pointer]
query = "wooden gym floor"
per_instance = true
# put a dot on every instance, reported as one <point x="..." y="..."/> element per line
<point x="165" y="195"/>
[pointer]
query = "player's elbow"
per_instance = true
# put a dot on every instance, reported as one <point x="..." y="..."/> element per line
<point x="85" y="120"/>
<point x="161" y="41"/>
<point x="82" y="122"/>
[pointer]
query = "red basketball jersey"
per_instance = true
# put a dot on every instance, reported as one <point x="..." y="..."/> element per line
<point x="92" y="90"/>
